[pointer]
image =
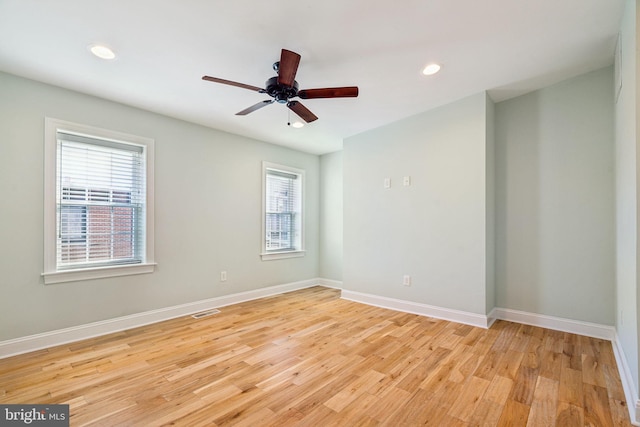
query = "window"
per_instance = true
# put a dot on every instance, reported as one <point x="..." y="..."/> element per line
<point x="98" y="203"/>
<point x="282" y="216"/>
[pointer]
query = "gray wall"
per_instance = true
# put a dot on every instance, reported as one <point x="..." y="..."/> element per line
<point x="433" y="230"/>
<point x="331" y="216"/>
<point x="626" y="122"/>
<point x="207" y="195"/>
<point x="545" y="190"/>
<point x="555" y="200"/>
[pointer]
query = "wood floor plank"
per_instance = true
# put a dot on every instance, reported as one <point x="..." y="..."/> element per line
<point x="619" y="412"/>
<point x="551" y="365"/>
<point x="570" y="390"/>
<point x="524" y="386"/>
<point x="311" y="358"/>
<point x="572" y="358"/>
<point x="422" y="370"/>
<point x="544" y="406"/>
<point x="592" y="371"/>
<point x="487" y="414"/>
<point x="469" y="399"/>
<point x="413" y="411"/>
<point x="353" y="390"/>
<point x="357" y="411"/>
<point x="498" y="390"/>
<point x="389" y="403"/>
<point x="596" y="406"/>
<point x="514" y="414"/>
<point x="613" y="383"/>
<point x="569" y="415"/>
<point x="509" y="364"/>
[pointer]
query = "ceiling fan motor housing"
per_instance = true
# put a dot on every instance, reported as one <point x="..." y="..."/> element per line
<point x="280" y="92"/>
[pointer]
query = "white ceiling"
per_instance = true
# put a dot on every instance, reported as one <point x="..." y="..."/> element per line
<point x="507" y="47"/>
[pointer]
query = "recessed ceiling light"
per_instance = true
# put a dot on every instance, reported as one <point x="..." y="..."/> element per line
<point x="297" y="125"/>
<point x="102" y="51"/>
<point x="431" y="69"/>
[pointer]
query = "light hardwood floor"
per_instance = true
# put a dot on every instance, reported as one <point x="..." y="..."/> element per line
<point x="309" y="358"/>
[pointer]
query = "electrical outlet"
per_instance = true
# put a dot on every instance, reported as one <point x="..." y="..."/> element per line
<point x="406" y="181"/>
<point x="223" y="276"/>
<point x="406" y="280"/>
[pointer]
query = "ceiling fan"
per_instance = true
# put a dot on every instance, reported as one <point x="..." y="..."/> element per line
<point x="283" y="87"/>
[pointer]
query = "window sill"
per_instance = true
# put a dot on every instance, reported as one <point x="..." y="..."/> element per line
<point x="281" y="255"/>
<point x="97" y="273"/>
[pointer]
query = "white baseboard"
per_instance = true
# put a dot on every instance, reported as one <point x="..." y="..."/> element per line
<point x="588" y="329"/>
<point x="76" y="333"/>
<point x="593" y="330"/>
<point x="630" y="391"/>
<point x="330" y="283"/>
<point x="451" y="315"/>
<point x="491" y="318"/>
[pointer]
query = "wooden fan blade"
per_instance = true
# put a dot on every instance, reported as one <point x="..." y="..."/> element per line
<point x="329" y="92"/>
<point x="302" y="111"/>
<point x="254" y="107"/>
<point x="230" y="83"/>
<point x="288" y="67"/>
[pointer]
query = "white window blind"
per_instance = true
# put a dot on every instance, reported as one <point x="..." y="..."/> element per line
<point x="100" y="202"/>
<point x="283" y="216"/>
<point x="281" y="210"/>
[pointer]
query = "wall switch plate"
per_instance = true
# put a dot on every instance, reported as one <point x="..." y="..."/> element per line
<point x="223" y="276"/>
<point x="406" y="280"/>
<point x="387" y="183"/>
<point x="406" y="181"/>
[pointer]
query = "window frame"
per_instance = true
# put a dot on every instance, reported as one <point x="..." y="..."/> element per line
<point x="299" y="250"/>
<point x="51" y="272"/>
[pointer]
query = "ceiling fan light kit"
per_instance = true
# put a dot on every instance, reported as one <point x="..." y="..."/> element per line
<point x="283" y="87"/>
